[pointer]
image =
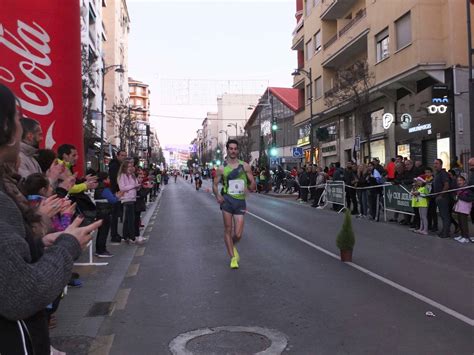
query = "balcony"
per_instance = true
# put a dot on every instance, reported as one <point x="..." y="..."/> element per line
<point x="336" y="9"/>
<point x="351" y="40"/>
<point x="347" y="27"/>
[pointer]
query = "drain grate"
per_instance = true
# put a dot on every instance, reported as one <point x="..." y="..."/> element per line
<point x="100" y="309"/>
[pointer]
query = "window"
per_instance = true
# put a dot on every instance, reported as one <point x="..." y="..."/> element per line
<point x="318" y="86"/>
<point x="382" y="45"/>
<point x="317" y="41"/>
<point x="403" y="31"/>
<point x="308" y="92"/>
<point x="309" y="49"/>
<point x="377" y="121"/>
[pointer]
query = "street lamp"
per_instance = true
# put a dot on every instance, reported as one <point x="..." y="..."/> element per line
<point x="308" y="74"/>
<point x="226" y="135"/>
<point x="118" y="69"/>
<point x="233" y="125"/>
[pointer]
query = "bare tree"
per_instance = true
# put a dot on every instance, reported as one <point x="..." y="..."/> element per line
<point x="245" y="147"/>
<point x="127" y="126"/>
<point x="353" y="86"/>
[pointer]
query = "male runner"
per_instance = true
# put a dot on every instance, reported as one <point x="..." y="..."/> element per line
<point x="236" y="176"/>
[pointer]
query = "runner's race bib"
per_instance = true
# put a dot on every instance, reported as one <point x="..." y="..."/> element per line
<point x="236" y="187"/>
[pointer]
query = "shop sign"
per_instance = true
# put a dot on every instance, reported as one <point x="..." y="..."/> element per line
<point x="434" y="109"/>
<point x="302" y="141"/>
<point x="420" y="127"/>
<point x="329" y="149"/>
<point x="397" y="198"/>
<point x="405" y="120"/>
<point x="335" y="192"/>
<point x="387" y="120"/>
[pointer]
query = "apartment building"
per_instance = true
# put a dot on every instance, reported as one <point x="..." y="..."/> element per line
<point x="117" y="28"/>
<point x="139" y="101"/>
<point x="382" y="77"/>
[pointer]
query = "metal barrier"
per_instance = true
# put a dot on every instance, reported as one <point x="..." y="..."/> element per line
<point x="336" y="193"/>
<point x="397" y="199"/>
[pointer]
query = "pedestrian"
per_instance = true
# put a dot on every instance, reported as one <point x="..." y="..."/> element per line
<point x="129" y="185"/>
<point x="30" y="140"/>
<point x="237" y="178"/>
<point x="420" y="202"/>
<point x="462" y="207"/>
<point x="34" y="267"/>
<point x="432" y="213"/>
<point x="362" y="183"/>
<point x="105" y="201"/>
<point x="443" y="199"/>
<point x="117" y="211"/>
<point x="350" y="179"/>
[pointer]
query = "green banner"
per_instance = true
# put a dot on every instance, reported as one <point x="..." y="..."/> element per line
<point x="335" y="192"/>
<point x="397" y="198"/>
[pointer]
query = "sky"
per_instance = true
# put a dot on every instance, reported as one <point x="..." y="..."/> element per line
<point x="190" y="51"/>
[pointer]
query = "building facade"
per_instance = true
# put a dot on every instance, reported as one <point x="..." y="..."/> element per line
<point x="271" y="125"/>
<point x="382" y="78"/>
<point x="117" y="28"/>
<point x="92" y="42"/>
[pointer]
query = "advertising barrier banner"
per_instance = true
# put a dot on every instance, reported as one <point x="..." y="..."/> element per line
<point x="335" y="192"/>
<point x="398" y="199"/>
<point x="40" y="61"/>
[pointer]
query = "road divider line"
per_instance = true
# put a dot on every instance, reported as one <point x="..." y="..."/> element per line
<point x="393" y="284"/>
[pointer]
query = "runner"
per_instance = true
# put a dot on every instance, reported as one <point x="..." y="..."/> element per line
<point x="236" y="175"/>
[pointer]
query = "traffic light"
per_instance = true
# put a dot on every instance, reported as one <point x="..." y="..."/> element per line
<point x="274" y="126"/>
<point x="273" y="152"/>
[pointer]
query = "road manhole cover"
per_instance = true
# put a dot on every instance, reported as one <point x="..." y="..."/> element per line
<point x="229" y="341"/>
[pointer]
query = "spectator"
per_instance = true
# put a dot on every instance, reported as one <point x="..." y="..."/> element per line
<point x="304" y="183"/>
<point x="391" y="170"/>
<point x="374" y="194"/>
<point x="471" y="183"/>
<point x="34" y="268"/>
<point x="30" y="141"/>
<point x="320" y="181"/>
<point x="128" y="184"/>
<point x="420" y="203"/>
<point x="432" y="214"/>
<point x="362" y="181"/>
<point x="443" y="200"/>
<point x="68" y="156"/>
<point x="463" y="208"/>
<point x="350" y="179"/>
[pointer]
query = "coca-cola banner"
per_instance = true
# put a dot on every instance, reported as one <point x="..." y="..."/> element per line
<point x="40" y="61"/>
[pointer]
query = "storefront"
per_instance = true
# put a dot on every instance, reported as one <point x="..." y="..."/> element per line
<point x="423" y="128"/>
<point x="329" y="153"/>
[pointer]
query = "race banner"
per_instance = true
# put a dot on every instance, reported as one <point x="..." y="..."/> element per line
<point x="40" y="61"/>
<point x="335" y="192"/>
<point x="398" y="198"/>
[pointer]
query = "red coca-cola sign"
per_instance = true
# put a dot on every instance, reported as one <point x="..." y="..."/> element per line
<point x="40" y="61"/>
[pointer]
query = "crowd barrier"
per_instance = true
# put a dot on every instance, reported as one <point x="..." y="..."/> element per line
<point x="396" y="198"/>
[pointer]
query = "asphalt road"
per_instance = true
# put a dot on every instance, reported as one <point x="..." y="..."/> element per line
<point x="320" y="305"/>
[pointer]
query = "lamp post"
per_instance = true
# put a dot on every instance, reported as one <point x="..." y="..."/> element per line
<point x="308" y="74"/>
<point x="226" y="134"/>
<point x="105" y="70"/>
<point x="233" y="125"/>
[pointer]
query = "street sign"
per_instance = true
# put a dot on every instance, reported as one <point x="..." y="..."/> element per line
<point x="297" y="152"/>
<point x="335" y="192"/>
<point x="274" y="161"/>
<point x="398" y="199"/>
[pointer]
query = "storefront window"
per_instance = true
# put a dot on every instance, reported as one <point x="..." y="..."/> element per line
<point x="443" y="152"/>
<point x="377" y="150"/>
<point x="377" y="121"/>
<point x="404" y="150"/>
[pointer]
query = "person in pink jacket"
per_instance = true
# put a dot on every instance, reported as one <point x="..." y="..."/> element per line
<point x="129" y="185"/>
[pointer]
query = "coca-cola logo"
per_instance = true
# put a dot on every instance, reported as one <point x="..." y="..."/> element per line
<point x="31" y="45"/>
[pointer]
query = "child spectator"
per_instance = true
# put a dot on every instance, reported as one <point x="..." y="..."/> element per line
<point x="462" y="208"/>
<point x="420" y="202"/>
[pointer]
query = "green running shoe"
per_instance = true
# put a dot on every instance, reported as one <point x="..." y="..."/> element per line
<point x="234" y="264"/>
<point x="236" y="254"/>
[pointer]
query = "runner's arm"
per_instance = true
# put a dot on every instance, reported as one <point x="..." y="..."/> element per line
<point x="215" y="185"/>
<point x="252" y="185"/>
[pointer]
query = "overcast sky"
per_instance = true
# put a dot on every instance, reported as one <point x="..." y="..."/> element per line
<point x="188" y="50"/>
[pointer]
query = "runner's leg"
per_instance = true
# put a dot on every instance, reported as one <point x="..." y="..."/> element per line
<point x="228" y="233"/>
<point x="238" y="227"/>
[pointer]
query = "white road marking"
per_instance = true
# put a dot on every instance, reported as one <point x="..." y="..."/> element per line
<point x="399" y="287"/>
<point x="132" y="270"/>
<point x="122" y="298"/>
<point x="140" y="251"/>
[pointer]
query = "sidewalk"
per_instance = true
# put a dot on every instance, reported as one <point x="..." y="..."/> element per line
<point x="82" y="310"/>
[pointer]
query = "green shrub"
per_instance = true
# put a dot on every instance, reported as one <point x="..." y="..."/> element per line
<point x="345" y="239"/>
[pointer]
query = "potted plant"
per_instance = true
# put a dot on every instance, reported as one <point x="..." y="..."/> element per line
<point x="345" y="239"/>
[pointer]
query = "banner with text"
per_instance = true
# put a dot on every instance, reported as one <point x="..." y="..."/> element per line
<point x="397" y="198"/>
<point x="335" y="192"/>
<point x="40" y="61"/>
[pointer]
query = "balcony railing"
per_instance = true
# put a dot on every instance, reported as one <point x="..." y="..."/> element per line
<point x="330" y="41"/>
<point x="299" y="26"/>
<point x="359" y="15"/>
